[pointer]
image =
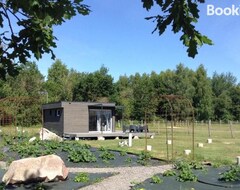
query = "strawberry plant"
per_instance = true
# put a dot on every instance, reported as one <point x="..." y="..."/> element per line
<point x="185" y="171"/>
<point x="144" y="157"/>
<point x="169" y="173"/>
<point x="156" y="179"/>
<point x="231" y="175"/>
<point x="123" y="153"/>
<point x="82" y="177"/>
<point x="106" y="155"/>
<point x="81" y="155"/>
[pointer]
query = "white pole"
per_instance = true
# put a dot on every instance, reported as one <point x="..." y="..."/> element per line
<point x="130" y="139"/>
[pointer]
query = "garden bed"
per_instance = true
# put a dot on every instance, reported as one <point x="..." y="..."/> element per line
<point x="75" y="154"/>
<point x="206" y="178"/>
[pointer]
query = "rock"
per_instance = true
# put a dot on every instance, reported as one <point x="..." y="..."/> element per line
<point x="45" y="134"/>
<point x="121" y="144"/>
<point x="44" y="168"/>
<point x="32" y="139"/>
<point x="100" y="138"/>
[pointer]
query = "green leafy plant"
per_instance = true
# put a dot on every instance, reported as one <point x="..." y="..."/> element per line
<point x="82" y="177"/>
<point x="81" y="155"/>
<point x="107" y="155"/>
<point x="52" y="145"/>
<point x="186" y="175"/>
<point x="197" y="166"/>
<point x="156" y="179"/>
<point x="233" y="174"/>
<point x="123" y="153"/>
<point x="144" y="157"/>
<point x="67" y="146"/>
<point x="98" y="180"/>
<point x="8" y="140"/>
<point x="102" y="148"/>
<point x="2" y="186"/>
<point x="2" y="155"/>
<point x="169" y="173"/>
<point x="128" y="160"/>
<point x="40" y="186"/>
<point x="185" y="171"/>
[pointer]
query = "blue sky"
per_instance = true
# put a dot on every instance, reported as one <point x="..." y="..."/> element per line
<point x="117" y="36"/>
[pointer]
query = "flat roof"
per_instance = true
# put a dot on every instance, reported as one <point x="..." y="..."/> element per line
<point x="62" y="103"/>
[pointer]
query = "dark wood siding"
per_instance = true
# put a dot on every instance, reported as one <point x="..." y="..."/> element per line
<point x="53" y="120"/>
<point x="75" y="117"/>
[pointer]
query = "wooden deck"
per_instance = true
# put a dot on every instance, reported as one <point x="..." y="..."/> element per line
<point x="104" y="135"/>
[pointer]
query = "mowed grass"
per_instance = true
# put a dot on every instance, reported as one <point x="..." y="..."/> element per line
<point x="224" y="148"/>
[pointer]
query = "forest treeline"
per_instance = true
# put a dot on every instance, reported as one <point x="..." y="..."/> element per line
<point x="140" y="95"/>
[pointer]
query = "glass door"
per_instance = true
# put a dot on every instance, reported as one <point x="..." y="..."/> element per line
<point x="100" y="120"/>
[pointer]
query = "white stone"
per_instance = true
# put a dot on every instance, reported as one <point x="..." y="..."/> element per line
<point x="101" y="138"/>
<point x="121" y="144"/>
<point x="209" y="141"/>
<point x="44" y="168"/>
<point x="135" y="137"/>
<point x="238" y="160"/>
<point x="76" y="138"/>
<point x="152" y="137"/>
<point x="32" y="139"/>
<point x="149" y="147"/>
<point x="169" y="141"/>
<point x="117" y="138"/>
<point x="45" y="134"/>
<point x="200" y="145"/>
<point x="187" y="152"/>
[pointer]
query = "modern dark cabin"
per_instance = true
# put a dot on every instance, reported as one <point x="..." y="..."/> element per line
<point x="67" y="118"/>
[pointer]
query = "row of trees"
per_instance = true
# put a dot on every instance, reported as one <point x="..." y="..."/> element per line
<point x="216" y="98"/>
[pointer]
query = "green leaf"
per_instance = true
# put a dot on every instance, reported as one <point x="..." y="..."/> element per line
<point x="147" y="4"/>
<point x="159" y="2"/>
<point x="192" y="49"/>
<point x="193" y="9"/>
<point x="206" y="40"/>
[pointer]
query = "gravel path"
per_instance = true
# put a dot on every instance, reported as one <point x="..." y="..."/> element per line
<point x="122" y="181"/>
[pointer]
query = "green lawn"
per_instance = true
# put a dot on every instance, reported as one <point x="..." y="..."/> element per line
<point x="223" y="148"/>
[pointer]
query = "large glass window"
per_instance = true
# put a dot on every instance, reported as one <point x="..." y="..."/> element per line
<point x="100" y="120"/>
